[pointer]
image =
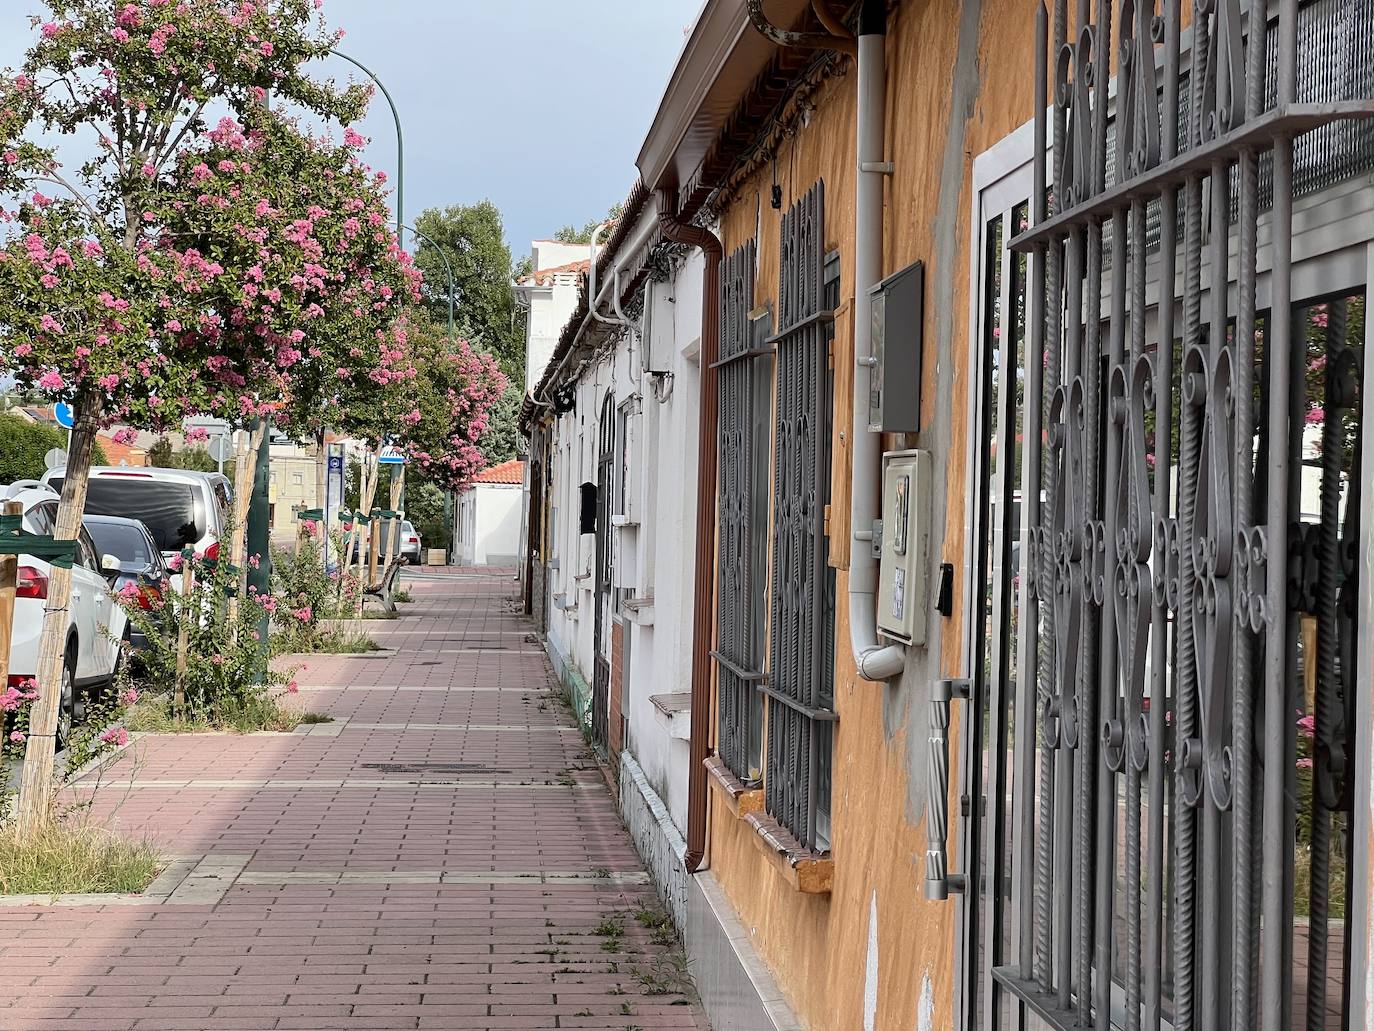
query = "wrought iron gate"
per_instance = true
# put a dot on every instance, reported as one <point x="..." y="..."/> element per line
<point x="1163" y="642"/>
<point x="601" y="645"/>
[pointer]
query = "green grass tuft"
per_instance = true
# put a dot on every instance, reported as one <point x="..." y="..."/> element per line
<point x="154" y="715"/>
<point x="65" y="860"/>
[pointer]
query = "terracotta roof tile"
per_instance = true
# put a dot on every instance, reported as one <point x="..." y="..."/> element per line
<point x="507" y="472"/>
<point x="544" y="276"/>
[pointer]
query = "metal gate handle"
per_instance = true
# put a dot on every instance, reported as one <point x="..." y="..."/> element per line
<point x="939" y="881"/>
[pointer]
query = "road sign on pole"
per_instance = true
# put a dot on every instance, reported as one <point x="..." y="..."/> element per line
<point x="64" y="415"/>
<point x="55" y="458"/>
<point x="392" y="456"/>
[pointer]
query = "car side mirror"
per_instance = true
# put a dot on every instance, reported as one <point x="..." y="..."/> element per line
<point x="110" y="563"/>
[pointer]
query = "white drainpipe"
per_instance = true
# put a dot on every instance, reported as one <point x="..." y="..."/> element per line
<point x="874" y="661"/>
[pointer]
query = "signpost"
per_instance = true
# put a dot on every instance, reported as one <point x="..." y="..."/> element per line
<point x="391" y="456"/>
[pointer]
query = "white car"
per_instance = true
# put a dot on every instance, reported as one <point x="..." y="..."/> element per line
<point x="96" y="623"/>
<point x="179" y="506"/>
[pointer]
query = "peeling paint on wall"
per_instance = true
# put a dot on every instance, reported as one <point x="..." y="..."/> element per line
<point x="871" y="968"/>
<point x="925" y="1006"/>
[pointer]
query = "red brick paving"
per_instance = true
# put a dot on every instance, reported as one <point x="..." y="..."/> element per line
<point x="485" y="783"/>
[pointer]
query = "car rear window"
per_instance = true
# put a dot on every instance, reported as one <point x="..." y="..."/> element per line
<point x="173" y="512"/>
<point x="124" y="541"/>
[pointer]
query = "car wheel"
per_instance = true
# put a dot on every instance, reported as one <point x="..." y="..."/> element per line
<point x="66" y="712"/>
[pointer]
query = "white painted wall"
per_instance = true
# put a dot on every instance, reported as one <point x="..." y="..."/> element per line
<point x="654" y="487"/>
<point x="488" y="524"/>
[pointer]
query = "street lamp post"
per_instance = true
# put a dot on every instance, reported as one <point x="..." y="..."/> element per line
<point x="400" y="141"/>
<point x="452" y="288"/>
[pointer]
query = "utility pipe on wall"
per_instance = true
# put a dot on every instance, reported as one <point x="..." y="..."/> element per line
<point x="874" y="661"/>
<point x="703" y="590"/>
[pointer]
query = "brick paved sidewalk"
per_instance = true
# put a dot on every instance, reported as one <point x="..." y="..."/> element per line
<point x="444" y="855"/>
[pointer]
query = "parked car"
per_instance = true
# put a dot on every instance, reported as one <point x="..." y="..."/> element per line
<point x="408" y="536"/>
<point x="140" y="563"/>
<point x="179" y="507"/>
<point x="96" y="624"/>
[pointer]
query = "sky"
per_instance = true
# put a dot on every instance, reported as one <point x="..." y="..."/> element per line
<point x="538" y="105"/>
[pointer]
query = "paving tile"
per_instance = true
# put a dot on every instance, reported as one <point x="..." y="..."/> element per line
<point x="424" y="864"/>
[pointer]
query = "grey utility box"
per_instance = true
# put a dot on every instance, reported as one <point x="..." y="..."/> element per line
<point x="894" y="393"/>
<point x="903" y="580"/>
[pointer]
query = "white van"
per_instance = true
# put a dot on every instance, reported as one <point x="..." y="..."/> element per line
<point x="180" y="507"/>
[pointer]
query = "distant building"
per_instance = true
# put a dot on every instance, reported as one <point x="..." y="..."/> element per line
<point x="487" y="518"/>
<point x="550" y="294"/>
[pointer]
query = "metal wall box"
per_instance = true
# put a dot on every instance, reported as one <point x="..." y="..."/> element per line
<point x="903" y="589"/>
<point x="894" y="383"/>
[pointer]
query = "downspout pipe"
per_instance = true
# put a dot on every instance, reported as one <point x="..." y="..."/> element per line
<point x="875" y="662"/>
<point x="703" y="590"/>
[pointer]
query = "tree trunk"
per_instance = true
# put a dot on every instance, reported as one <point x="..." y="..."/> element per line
<point x="36" y="786"/>
<point x="366" y="488"/>
<point x="188" y="584"/>
<point x="245" y="466"/>
<point x="367" y="502"/>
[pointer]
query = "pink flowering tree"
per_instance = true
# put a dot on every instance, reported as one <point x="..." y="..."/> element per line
<point x="109" y="292"/>
<point x="459" y="386"/>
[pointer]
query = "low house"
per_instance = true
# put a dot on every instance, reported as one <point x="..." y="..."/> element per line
<point x="486" y="528"/>
<point x="964" y="513"/>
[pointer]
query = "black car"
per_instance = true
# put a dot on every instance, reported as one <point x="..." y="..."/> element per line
<point x="140" y="563"/>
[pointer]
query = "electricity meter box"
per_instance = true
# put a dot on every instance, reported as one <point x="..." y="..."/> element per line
<point x="894" y="377"/>
<point x="903" y="577"/>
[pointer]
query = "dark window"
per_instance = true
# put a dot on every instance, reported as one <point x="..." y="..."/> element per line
<point x="126" y="541"/>
<point x="173" y="512"/>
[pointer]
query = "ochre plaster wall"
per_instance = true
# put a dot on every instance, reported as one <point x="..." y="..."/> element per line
<point x="942" y="112"/>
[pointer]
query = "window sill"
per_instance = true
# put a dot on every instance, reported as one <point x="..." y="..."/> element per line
<point x="741" y="799"/>
<point x="810" y="873"/>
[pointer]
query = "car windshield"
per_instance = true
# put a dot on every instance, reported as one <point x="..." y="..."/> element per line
<point x="173" y="512"/>
<point x="407" y="527"/>
<point x="125" y="541"/>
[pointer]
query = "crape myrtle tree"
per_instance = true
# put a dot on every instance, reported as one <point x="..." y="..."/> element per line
<point x="123" y="287"/>
<point x="324" y="280"/>
<point x="435" y="407"/>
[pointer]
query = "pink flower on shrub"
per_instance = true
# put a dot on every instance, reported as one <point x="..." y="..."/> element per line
<point x="52" y="380"/>
<point x="1307" y="726"/>
<point x="18" y="737"/>
<point x="130" y="697"/>
<point x="1316" y="416"/>
<point x="129" y="591"/>
<point x="197" y="434"/>
<point x="292" y="687"/>
<point x="1304" y="764"/>
<point x="117" y="736"/>
<point x="303" y="613"/>
<point x="126" y="435"/>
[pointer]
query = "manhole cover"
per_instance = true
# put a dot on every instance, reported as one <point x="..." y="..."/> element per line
<point x="423" y="767"/>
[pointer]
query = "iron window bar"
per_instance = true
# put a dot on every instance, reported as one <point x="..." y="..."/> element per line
<point x="753" y="352"/>
<point x="799" y="742"/>
<point x="1118" y="563"/>
<point x="739" y="626"/>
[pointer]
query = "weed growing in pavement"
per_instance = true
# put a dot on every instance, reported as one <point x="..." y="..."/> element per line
<point x="402" y="596"/>
<point x="65" y="859"/>
<point x="608" y="929"/>
<point x="311" y="718"/>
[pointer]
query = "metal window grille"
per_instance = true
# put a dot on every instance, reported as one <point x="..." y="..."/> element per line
<point x="1152" y="840"/>
<point x="799" y="689"/>
<point x="741" y="619"/>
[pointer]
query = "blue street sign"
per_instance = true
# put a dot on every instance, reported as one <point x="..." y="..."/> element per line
<point x="64" y="415"/>
<point x="391" y="456"/>
<point x="335" y="463"/>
